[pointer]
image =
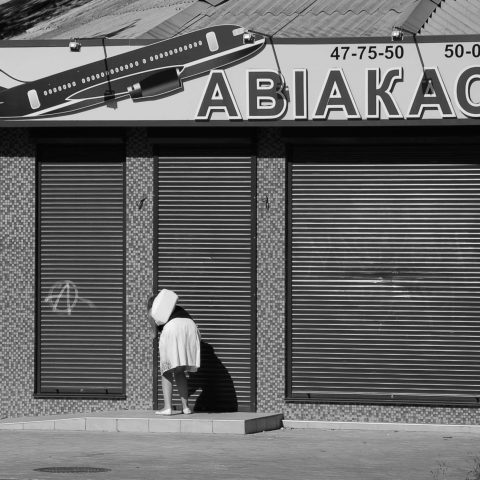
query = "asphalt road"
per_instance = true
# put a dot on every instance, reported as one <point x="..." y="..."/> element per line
<point x="276" y="455"/>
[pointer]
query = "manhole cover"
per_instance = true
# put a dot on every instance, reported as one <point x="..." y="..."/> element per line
<point x="72" y="469"/>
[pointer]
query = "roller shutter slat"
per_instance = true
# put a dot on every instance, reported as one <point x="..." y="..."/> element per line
<point x="385" y="274"/>
<point x="204" y="253"/>
<point x="82" y="240"/>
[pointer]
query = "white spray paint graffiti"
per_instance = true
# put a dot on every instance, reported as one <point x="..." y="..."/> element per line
<point x="68" y="290"/>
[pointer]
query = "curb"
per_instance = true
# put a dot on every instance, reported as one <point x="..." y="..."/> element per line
<point x="397" y="427"/>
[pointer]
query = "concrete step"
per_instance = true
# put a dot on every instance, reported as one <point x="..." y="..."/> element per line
<point x="145" y="421"/>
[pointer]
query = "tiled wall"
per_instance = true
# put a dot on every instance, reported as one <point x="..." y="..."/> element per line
<point x="17" y="202"/>
<point x="139" y="269"/>
<point x="17" y="154"/>
<point x="17" y="207"/>
<point x="271" y="183"/>
<point x="270" y="272"/>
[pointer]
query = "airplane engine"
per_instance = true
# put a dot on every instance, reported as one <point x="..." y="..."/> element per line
<point x="160" y="83"/>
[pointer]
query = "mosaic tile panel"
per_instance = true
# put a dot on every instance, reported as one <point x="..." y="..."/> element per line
<point x="17" y="240"/>
<point x="270" y="272"/>
<point x="17" y="235"/>
<point x="139" y="269"/>
<point x="18" y="280"/>
<point x="271" y="185"/>
<point x="383" y="413"/>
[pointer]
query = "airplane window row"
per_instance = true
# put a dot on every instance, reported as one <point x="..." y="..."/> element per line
<point x="121" y="68"/>
<point x="59" y="88"/>
<point x="174" y="51"/>
<point x="91" y="78"/>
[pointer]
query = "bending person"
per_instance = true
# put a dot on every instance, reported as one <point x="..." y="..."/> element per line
<point x="179" y="347"/>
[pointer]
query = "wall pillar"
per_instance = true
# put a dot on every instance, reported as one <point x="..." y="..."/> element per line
<point x="17" y="240"/>
<point x="140" y="268"/>
<point x="270" y="271"/>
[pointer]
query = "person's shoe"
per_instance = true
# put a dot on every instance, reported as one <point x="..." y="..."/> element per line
<point x="165" y="411"/>
<point x="187" y="411"/>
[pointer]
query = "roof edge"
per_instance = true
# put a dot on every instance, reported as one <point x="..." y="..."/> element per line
<point x="416" y="17"/>
<point x="177" y="23"/>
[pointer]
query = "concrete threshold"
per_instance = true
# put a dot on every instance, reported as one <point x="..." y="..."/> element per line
<point x="388" y="426"/>
<point x="145" y="421"/>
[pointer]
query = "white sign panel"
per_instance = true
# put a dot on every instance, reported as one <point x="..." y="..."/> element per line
<point x="228" y="74"/>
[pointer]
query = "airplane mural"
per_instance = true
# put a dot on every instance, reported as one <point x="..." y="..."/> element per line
<point x="148" y="72"/>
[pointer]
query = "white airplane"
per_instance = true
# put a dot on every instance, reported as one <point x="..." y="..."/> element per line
<point x="144" y="73"/>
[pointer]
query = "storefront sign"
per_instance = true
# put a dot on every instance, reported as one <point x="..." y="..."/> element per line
<point x="227" y="73"/>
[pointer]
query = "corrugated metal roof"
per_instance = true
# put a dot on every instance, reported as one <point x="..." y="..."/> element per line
<point x="110" y="18"/>
<point x="413" y="20"/>
<point x="301" y="18"/>
<point x="454" y="17"/>
<point x="178" y="23"/>
<point x="347" y="22"/>
<point x="161" y="19"/>
<point x="332" y="18"/>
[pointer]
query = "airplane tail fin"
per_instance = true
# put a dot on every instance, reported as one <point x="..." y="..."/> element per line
<point x="7" y="81"/>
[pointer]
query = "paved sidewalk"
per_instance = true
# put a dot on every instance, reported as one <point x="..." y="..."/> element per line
<point x="277" y="455"/>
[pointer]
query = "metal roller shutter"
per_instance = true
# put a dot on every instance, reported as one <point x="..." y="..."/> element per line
<point x="384" y="280"/>
<point x="81" y="271"/>
<point x="206" y="255"/>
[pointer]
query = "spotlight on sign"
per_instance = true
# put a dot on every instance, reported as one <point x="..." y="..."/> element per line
<point x="248" y="37"/>
<point x="397" y="34"/>
<point x="74" y="45"/>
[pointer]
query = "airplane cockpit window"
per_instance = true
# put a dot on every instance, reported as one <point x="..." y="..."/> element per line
<point x="212" y="41"/>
